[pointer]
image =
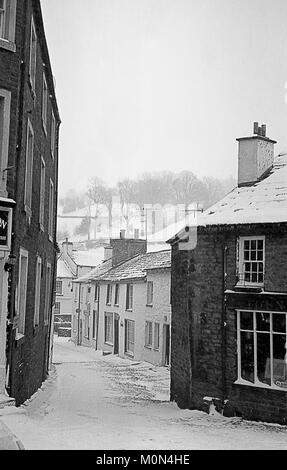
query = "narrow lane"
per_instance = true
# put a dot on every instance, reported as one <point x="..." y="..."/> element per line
<point x="100" y="402"/>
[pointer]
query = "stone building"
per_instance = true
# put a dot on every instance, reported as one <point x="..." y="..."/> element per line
<point x="29" y="126"/>
<point x="229" y="294"/>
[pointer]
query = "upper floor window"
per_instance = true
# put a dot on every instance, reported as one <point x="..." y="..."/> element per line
<point x="57" y="308"/>
<point x="261" y="345"/>
<point x="59" y="287"/>
<point x="22" y="290"/>
<point x="129" y="297"/>
<point x="149" y="293"/>
<point x="97" y="292"/>
<point x="33" y="56"/>
<point x="37" y="291"/>
<point x="117" y="291"/>
<point x="51" y="210"/>
<point x="251" y="260"/>
<point x="44" y="103"/>
<point x="148" y="334"/>
<point x="5" y="102"/>
<point x="53" y="135"/>
<point x="42" y="194"/>
<point x="48" y="293"/>
<point x="29" y="169"/>
<point x="7" y="24"/>
<point x="109" y="294"/>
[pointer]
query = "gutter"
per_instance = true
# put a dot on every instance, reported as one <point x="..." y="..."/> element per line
<point x="223" y="323"/>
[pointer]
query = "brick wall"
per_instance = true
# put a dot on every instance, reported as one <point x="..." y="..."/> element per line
<point x="28" y="357"/>
<point x="200" y="343"/>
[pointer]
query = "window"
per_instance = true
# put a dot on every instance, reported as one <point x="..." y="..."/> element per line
<point x="109" y="328"/>
<point x="22" y="289"/>
<point x="7" y="24"/>
<point x="53" y="134"/>
<point x="37" y="291"/>
<point x="129" y="336"/>
<point x="148" y="334"/>
<point x="5" y="102"/>
<point x="97" y="292"/>
<point x="59" y="287"/>
<point x="33" y="56"/>
<point x="149" y="293"/>
<point x="51" y="210"/>
<point x="57" y="308"/>
<point x="29" y="169"/>
<point x="47" y="293"/>
<point x="156" y="336"/>
<point x="261" y="338"/>
<point x="88" y="292"/>
<point x="109" y="294"/>
<point x="129" y="297"/>
<point x="44" y="103"/>
<point x="117" y="288"/>
<point x="251" y="260"/>
<point x="42" y="194"/>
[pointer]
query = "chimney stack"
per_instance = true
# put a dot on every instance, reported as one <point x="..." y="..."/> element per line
<point x="255" y="156"/>
<point x="122" y="234"/>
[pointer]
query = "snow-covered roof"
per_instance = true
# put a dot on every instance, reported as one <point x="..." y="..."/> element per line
<point x="136" y="267"/>
<point x="262" y="202"/>
<point x="96" y="272"/>
<point x="63" y="269"/>
<point x="91" y="257"/>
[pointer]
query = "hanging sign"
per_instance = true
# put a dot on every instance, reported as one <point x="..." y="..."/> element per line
<point x="5" y="227"/>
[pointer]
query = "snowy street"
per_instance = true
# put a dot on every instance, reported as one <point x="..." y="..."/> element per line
<point x="91" y="401"/>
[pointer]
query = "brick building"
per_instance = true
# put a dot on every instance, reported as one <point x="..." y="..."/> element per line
<point x="29" y="125"/>
<point x="229" y="294"/>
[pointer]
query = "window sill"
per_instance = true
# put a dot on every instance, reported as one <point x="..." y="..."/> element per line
<point x="41" y="226"/>
<point x="148" y="346"/>
<point x="259" y="385"/>
<point x="44" y="127"/>
<point x="129" y="309"/>
<point x="149" y="305"/>
<point x="129" y="354"/>
<point x="51" y="239"/>
<point x="19" y="337"/>
<point x="109" y="343"/>
<point x="9" y="46"/>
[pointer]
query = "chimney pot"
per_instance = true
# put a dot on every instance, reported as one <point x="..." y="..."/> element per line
<point x="255" y="128"/>
<point x="122" y="233"/>
<point x="263" y="130"/>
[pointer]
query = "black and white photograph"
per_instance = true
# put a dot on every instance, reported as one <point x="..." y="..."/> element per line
<point x="143" y="228"/>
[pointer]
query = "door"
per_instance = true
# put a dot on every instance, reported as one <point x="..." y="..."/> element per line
<point x="166" y="345"/>
<point x="116" y="334"/>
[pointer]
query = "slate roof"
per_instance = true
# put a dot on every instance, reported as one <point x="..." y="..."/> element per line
<point x="136" y="268"/>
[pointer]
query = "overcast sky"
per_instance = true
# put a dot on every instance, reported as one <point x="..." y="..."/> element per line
<point x="150" y="85"/>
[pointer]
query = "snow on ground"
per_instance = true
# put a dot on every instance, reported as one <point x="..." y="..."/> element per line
<point x="91" y="401"/>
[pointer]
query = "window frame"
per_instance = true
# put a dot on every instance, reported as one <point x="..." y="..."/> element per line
<point x="129" y="296"/>
<point x="156" y="336"/>
<point x="255" y="331"/>
<point x="241" y="261"/>
<point x="48" y="291"/>
<point x="128" y="351"/>
<point x="42" y="194"/>
<point x="51" y="210"/>
<point x="38" y="280"/>
<point x="7" y="36"/>
<point x="29" y="164"/>
<point x="59" y="282"/>
<point x="57" y="311"/>
<point x="22" y="300"/>
<point x="149" y="294"/>
<point x="109" y="294"/>
<point x="117" y="294"/>
<point x="109" y="338"/>
<point x="44" y="103"/>
<point x="33" y="57"/>
<point x="5" y="98"/>
<point x="148" y="334"/>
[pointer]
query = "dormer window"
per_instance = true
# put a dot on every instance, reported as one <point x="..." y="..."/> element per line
<point x="251" y="261"/>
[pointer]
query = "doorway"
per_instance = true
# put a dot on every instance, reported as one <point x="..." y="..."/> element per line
<point x="116" y="333"/>
<point x="166" y="345"/>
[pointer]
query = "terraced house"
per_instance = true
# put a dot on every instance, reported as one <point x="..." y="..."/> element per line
<point x="29" y="129"/>
<point x="229" y="294"/>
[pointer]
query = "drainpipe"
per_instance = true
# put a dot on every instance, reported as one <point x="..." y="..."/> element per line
<point x="223" y="322"/>
<point x="79" y="310"/>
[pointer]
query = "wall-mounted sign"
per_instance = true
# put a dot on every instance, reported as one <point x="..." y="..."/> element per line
<point x="5" y="227"/>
